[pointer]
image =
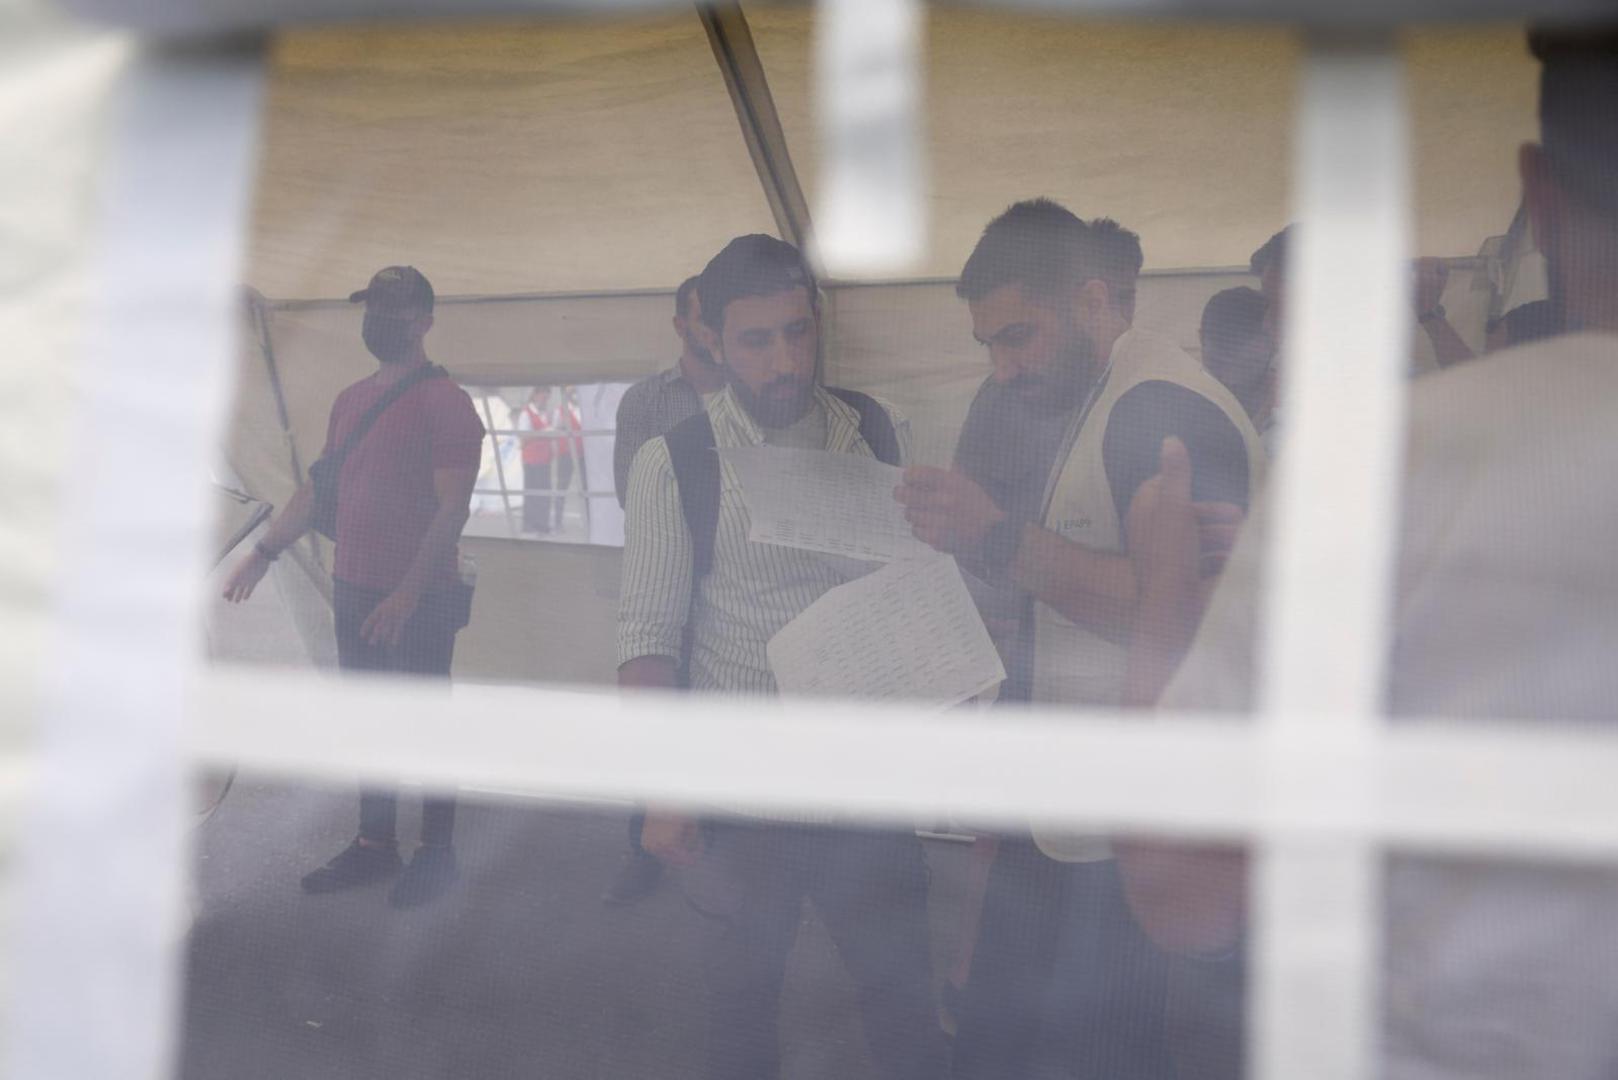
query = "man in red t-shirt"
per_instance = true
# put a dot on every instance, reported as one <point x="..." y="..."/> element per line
<point x="403" y="496"/>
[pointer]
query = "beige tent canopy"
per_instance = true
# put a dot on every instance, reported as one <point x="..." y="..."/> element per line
<point x="556" y="180"/>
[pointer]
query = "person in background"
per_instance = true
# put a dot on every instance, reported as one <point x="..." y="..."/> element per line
<point x="648" y="410"/>
<point x="1238" y="349"/>
<point x="538" y="454"/>
<point x="1064" y="983"/>
<point x="698" y="595"/>
<point x="568" y="449"/>
<point x="656" y="403"/>
<point x="403" y="495"/>
<point x="1522" y="325"/>
<point x="1505" y="609"/>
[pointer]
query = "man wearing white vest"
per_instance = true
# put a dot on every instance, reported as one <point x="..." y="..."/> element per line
<point x="1091" y="1003"/>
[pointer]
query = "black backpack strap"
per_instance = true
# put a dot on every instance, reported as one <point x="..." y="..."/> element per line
<point x="876" y="426"/>
<point x="381" y="405"/>
<point x="696" y="474"/>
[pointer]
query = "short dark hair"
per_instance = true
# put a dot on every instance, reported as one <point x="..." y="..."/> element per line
<point x="1578" y="121"/>
<point x="1120" y="251"/>
<point x="1119" y="255"/>
<point x="1533" y="321"/>
<point x="682" y="295"/>
<point x="1272" y="253"/>
<point x="1231" y="317"/>
<point x="753" y="265"/>
<point x="1038" y="243"/>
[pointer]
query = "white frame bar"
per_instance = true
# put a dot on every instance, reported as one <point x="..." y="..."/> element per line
<point x="1500" y="789"/>
<point x="1316" y="901"/>
<point x="102" y="854"/>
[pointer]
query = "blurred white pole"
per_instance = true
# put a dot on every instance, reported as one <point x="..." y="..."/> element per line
<point x="870" y="217"/>
<point x="96" y="944"/>
<point x="1316" y="917"/>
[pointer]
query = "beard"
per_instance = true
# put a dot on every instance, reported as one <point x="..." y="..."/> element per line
<point x="1061" y="388"/>
<point x="698" y="351"/>
<point x="781" y="403"/>
<point x="388" y="339"/>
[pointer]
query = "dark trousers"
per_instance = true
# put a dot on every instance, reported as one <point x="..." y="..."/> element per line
<point x="536" y="509"/>
<point x="1064" y="984"/>
<point x="637" y="822"/>
<point x="870" y="890"/>
<point x="564" y="478"/>
<point x="426" y="648"/>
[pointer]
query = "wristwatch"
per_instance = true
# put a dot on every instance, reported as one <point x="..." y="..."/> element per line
<point x="265" y="553"/>
<point x="1001" y="542"/>
<point x="1435" y="312"/>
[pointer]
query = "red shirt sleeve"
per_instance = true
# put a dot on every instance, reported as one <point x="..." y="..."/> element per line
<point x="454" y="429"/>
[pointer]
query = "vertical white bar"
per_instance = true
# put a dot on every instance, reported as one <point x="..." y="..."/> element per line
<point x="98" y="927"/>
<point x="870" y="217"/>
<point x="1316" y="912"/>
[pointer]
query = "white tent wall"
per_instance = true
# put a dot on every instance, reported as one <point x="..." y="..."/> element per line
<point x="521" y="163"/>
<point x="556" y="156"/>
<point x="545" y="612"/>
<point x="547" y="157"/>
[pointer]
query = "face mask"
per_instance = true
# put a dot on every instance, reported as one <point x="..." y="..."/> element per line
<point x="388" y="337"/>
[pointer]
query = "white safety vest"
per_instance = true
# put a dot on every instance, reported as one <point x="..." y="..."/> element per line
<point x="1073" y="665"/>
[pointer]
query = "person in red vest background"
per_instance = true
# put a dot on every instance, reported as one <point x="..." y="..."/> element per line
<point x="542" y="513"/>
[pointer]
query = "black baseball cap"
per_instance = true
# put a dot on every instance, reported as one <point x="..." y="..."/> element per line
<point x="398" y="287"/>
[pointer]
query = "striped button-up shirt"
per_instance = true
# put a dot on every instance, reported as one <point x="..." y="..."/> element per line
<point x="753" y="589"/>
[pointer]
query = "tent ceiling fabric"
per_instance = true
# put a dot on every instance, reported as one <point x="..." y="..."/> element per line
<point x="1182" y="132"/>
<point x="214" y="16"/>
<point x="1473" y="101"/>
<point x="605" y="155"/>
<point x="499" y="158"/>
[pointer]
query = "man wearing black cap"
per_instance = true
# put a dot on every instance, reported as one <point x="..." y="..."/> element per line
<point x="404" y="447"/>
<point x="1506" y="609"/>
<point x="688" y="564"/>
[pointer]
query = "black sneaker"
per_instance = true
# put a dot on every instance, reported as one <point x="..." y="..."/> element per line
<point x="357" y="864"/>
<point x="636" y="879"/>
<point x="431" y="872"/>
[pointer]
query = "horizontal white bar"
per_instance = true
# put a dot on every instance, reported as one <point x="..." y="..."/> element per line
<point x="1531" y="789"/>
<point x="545" y="491"/>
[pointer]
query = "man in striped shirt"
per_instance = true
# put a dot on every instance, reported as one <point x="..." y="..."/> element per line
<point x="748" y="874"/>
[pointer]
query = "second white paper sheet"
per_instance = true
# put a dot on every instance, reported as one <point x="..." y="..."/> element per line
<point x="908" y="631"/>
<point x="840" y="504"/>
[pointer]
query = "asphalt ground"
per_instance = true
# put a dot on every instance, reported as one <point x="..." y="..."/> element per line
<point x="520" y="971"/>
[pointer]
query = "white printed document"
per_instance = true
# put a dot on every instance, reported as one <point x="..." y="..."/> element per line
<point x="908" y="632"/>
<point x="840" y="504"/>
